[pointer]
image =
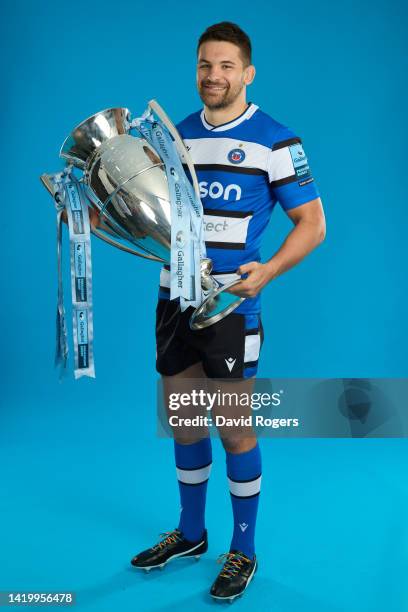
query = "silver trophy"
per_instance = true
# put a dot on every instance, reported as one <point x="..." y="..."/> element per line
<point x="126" y="184"/>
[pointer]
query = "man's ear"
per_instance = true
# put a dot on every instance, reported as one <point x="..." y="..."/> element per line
<point x="249" y="74"/>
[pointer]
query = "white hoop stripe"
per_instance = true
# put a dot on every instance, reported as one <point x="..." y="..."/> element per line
<point x="194" y="476"/>
<point x="245" y="489"/>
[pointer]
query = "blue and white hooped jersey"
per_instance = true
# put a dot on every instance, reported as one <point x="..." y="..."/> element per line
<point x="244" y="168"/>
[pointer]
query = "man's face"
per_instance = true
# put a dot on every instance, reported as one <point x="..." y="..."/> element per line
<point x="221" y="74"/>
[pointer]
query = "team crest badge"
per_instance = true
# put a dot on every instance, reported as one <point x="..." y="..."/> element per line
<point x="236" y="156"/>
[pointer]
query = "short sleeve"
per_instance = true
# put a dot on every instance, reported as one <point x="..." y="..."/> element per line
<point x="289" y="172"/>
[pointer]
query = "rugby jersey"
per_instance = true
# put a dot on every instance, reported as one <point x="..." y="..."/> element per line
<point x="244" y="167"/>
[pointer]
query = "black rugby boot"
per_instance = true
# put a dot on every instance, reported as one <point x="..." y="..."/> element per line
<point x="234" y="577"/>
<point x="173" y="545"/>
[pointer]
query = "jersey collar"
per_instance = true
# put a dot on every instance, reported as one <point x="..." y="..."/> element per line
<point x="247" y="114"/>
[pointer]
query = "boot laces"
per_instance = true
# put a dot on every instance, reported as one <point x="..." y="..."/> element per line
<point x="234" y="562"/>
<point x="168" y="537"/>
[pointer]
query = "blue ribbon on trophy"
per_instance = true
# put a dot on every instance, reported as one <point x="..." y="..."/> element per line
<point x="187" y="240"/>
<point x="69" y="196"/>
<point x="146" y="206"/>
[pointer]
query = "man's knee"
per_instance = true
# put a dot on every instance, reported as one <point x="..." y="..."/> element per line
<point x="188" y="438"/>
<point x="238" y="445"/>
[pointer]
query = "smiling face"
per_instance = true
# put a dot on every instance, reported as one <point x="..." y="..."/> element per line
<point x="222" y="75"/>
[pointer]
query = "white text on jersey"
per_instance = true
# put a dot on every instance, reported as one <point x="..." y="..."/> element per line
<point x="216" y="190"/>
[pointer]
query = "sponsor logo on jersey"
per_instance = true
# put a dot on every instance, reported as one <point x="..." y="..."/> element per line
<point x="236" y="156"/>
<point x="225" y="231"/>
<point x="217" y="190"/>
<point x="210" y="226"/>
<point x="299" y="160"/>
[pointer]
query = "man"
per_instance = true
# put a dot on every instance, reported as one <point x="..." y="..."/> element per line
<point x="246" y="162"/>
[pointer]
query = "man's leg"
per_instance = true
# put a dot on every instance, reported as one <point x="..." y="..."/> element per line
<point x="244" y="469"/>
<point x="243" y="463"/>
<point x="177" y="362"/>
<point x="193" y="458"/>
<point x="237" y="345"/>
<point x="193" y="466"/>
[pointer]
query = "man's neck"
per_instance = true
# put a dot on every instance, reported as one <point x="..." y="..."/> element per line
<point x="220" y="116"/>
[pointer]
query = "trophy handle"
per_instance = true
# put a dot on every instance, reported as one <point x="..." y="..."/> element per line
<point x="46" y="181"/>
<point x="122" y="247"/>
<point x="202" y="316"/>
<point x="155" y="106"/>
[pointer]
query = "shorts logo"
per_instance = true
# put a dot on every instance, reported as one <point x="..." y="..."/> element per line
<point x="230" y="363"/>
<point x="236" y="156"/>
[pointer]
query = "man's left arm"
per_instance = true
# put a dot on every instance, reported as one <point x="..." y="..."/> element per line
<point x="308" y="232"/>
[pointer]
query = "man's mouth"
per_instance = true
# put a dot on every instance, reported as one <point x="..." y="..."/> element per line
<point x="214" y="87"/>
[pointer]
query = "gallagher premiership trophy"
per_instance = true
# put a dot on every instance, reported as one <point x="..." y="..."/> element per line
<point x="146" y="206"/>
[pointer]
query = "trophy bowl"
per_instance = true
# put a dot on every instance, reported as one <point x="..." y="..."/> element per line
<point x="126" y="183"/>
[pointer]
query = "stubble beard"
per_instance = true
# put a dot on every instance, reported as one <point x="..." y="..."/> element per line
<point x="227" y="99"/>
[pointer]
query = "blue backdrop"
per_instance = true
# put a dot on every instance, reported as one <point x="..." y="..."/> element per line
<point x="88" y="483"/>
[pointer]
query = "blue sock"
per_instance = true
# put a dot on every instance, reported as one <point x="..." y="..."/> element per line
<point x="193" y="465"/>
<point x="244" y="479"/>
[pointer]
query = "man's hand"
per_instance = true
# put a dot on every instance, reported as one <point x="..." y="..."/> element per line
<point x="258" y="276"/>
<point x="309" y="231"/>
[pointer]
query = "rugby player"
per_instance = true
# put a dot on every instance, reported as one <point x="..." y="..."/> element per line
<point x="246" y="163"/>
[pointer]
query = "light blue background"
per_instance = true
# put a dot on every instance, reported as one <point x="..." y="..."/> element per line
<point x="86" y="484"/>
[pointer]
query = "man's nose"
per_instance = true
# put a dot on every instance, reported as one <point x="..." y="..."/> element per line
<point x="214" y="73"/>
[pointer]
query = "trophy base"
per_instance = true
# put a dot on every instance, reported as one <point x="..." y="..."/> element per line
<point x="215" y="307"/>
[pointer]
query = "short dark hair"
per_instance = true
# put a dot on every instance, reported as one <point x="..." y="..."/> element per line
<point x="229" y="32"/>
